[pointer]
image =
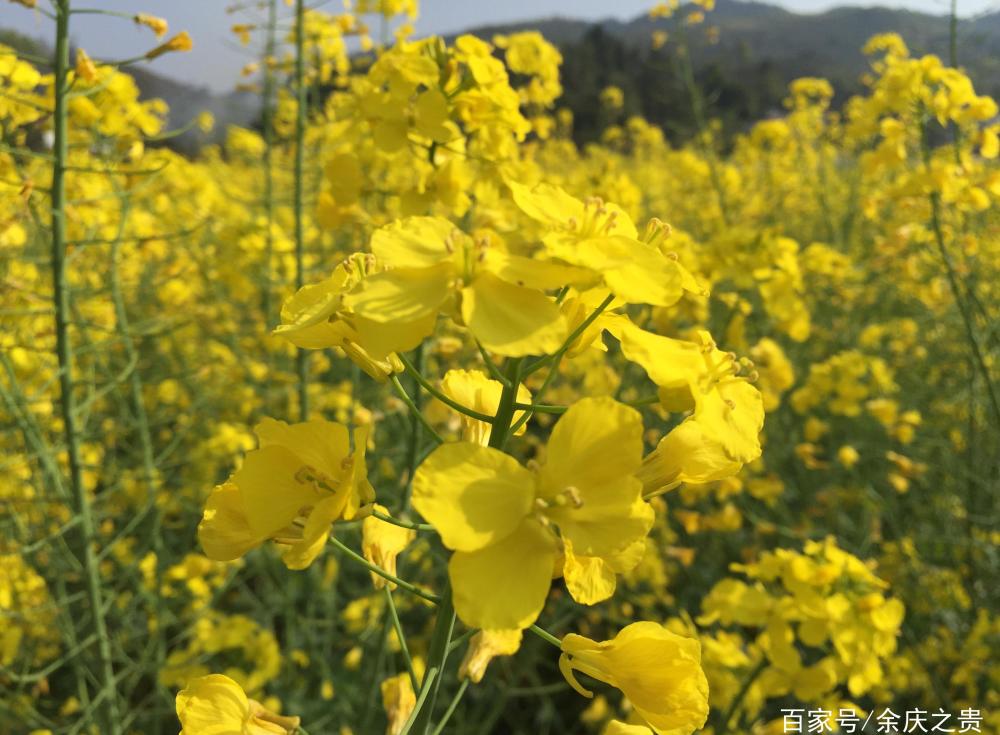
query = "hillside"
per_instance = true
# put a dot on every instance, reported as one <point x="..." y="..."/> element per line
<point x="760" y="49"/>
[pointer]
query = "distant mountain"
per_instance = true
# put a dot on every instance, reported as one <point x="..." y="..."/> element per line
<point x="760" y="48"/>
<point x="187" y="101"/>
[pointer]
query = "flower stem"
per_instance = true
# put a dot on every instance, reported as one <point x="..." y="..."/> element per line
<point x="402" y="523"/>
<point x="301" y="358"/>
<point x="401" y="583"/>
<point x="425" y="384"/>
<point x="417" y="416"/>
<point x="403" y="648"/>
<point x="109" y="720"/>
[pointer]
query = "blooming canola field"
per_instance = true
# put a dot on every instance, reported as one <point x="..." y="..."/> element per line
<point x="401" y="411"/>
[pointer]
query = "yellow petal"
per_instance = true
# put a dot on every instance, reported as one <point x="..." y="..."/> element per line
<point x="321" y="444"/>
<point x="414" y="242"/>
<point x="647" y="277"/>
<point x="533" y="273"/>
<point x="511" y="320"/>
<point x="382" y="542"/>
<point x="610" y="519"/>
<point x="547" y="204"/>
<point x="271" y="494"/>
<point x="473" y="389"/>
<point x="362" y="493"/>
<point x="617" y="727"/>
<point x="484" y="647"/>
<point x="597" y="441"/>
<point x="670" y="363"/>
<point x="473" y="495"/>
<point x="224" y="532"/>
<point x="687" y="454"/>
<point x="504" y="585"/>
<point x="589" y="579"/>
<point x="212" y="705"/>
<point x="402" y="294"/>
<point x="733" y="415"/>
<point x="380" y="339"/>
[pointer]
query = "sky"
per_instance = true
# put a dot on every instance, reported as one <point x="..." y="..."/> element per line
<point x="217" y="57"/>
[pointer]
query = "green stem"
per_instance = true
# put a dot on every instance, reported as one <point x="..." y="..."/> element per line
<point x="956" y="289"/>
<point x="402" y="523"/>
<point x="555" y="359"/>
<point x="401" y="583"/>
<point x="417" y="416"/>
<point x="573" y="336"/>
<point x="400" y="636"/>
<point x="268" y="125"/>
<point x="105" y="674"/>
<point x="451" y="403"/>
<point x="505" y="409"/>
<point x="430" y="685"/>
<point x="540" y="408"/>
<point x="417" y="419"/>
<point x="301" y="357"/>
<point x="698" y="110"/>
<point x="491" y="366"/>
<point x="437" y="655"/>
<point x="452" y="706"/>
<point x="546" y="636"/>
<point x="150" y="475"/>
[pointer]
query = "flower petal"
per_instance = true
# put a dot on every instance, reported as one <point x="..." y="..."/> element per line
<point x="224" y="532"/>
<point x="589" y="579"/>
<point x="474" y="495"/>
<point x="414" y="242"/>
<point x="402" y="294"/>
<point x="504" y="585"/>
<point x="271" y="495"/>
<point x="322" y="444"/>
<point x="512" y="320"/>
<point x="597" y="441"/>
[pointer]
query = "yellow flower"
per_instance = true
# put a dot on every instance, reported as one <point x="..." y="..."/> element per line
<point x="157" y="25"/>
<point x="217" y="705"/>
<point x="848" y="456"/>
<point x="398" y="700"/>
<point x="658" y="671"/>
<point x="381" y="543"/>
<point x="243" y="31"/>
<point x="437" y="268"/>
<point x="180" y="42"/>
<point x="498" y="517"/>
<point x="315" y="318"/>
<point x="612" y="98"/>
<point x="85" y="68"/>
<point x="484" y="647"/>
<point x="302" y="478"/>
<point x="617" y="727"/>
<point x="700" y="377"/>
<point x="687" y="454"/>
<point x="601" y="237"/>
<point x="474" y="390"/>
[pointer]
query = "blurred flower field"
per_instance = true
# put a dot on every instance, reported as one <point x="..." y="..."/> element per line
<point x="402" y="412"/>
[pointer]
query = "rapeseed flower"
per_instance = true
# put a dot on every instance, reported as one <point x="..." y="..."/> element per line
<point x="302" y="478"/>
<point x="217" y="705"/>
<point x="657" y="670"/>
<point x="500" y="518"/>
